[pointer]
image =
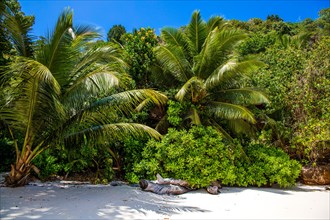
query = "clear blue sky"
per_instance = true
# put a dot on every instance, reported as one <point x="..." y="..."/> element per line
<point x="157" y="14"/>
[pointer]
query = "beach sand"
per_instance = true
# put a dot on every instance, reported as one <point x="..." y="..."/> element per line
<point x="55" y="200"/>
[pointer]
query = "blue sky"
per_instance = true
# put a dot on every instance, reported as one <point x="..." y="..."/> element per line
<point x="157" y="14"/>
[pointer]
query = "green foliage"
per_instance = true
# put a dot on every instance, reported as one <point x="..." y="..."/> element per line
<point x="16" y="27"/>
<point x="174" y="111"/>
<point x="58" y="96"/>
<point x="11" y="19"/>
<point x="201" y="156"/>
<point x="274" y="18"/>
<point x="209" y="74"/>
<point x="257" y="43"/>
<point x="115" y="33"/>
<point x="131" y="153"/>
<point x="270" y="165"/>
<point x="264" y="164"/>
<point x="276" y="76"/>
<point x="58" y="161"/>
<point x="47" y="164"/>
<point x="198" y="156"/>
<point x="139" y="49"/>
<point x="324" y="21"/>
<point x="310" y="98"/>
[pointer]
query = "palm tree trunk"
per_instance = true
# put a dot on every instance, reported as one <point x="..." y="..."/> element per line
<point x="18" y="175"/>
<point x="20" y="171"/>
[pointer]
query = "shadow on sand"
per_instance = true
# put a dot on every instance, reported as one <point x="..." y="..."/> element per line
<point x="56" y="201"/>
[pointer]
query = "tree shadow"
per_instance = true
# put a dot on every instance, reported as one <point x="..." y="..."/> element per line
<point x="148" y="204"/>
<point x="55" y="201"/>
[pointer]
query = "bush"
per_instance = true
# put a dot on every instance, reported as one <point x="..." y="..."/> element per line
<point x="266" y="165"/>
<point x="47" y="164"/>
<point x="198" y="156"/>
<point x="58" y="161"/>
<point x="201" y="156"/>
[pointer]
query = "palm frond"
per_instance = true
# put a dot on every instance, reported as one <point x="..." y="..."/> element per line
<point x="242" y="96"/>
<point x="18" y="28"/>
<point x="160" y="77"/>
<point x="204" y="59"/>
<point x="214" y="22"/>
<point x="231" y="69"/>
<point x="105" y="58"/>
<point x="163" y="125"/>
<point x="218" y="47"/>
<point x="197" y="32"/>
<point x="128" y="100"/>
<point x="54" y="53"/>
<point x="220" y="130"/>
<point x="172" y="59"/>
<point x="193" y="85"/>
<point x="240" y="126"/>
<point x="230" y="111"/>
<point x="87" y="87"/>
<point x="228" y="40"/>
<point x="37" y="107"/>
<point x="111" y="132"/>
<point x="194" y="117"/>
<point x="173" y="36"/>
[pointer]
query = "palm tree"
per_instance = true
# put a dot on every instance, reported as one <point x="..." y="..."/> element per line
<point x="202" y="58"/>
<point x="61" y="93"/>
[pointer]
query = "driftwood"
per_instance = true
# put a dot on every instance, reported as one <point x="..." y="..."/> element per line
<point x="173" y="186"/>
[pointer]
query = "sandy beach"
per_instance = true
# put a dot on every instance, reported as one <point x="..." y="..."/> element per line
<point x="56" y="200"/>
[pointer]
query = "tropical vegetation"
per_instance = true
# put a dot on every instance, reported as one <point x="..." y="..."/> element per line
<point x="244" y="103"/>
<point x="203" y="62"/>
<point x="68" y="92"/>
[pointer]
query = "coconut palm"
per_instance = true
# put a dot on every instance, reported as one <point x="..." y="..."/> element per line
<point x="202" y="59"/>
<point x="70" y="92"/>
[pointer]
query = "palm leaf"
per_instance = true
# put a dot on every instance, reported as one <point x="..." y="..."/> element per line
<point x="37" y="107"/>
<point x="220" y="130"/>
<point x="242" y="127"/>
<point x="173" y="36"/>
<point x="172" y="59"/>
<point x="193" y="85"/>
<point x="197" y="32"/>
<point x="231" y="69"/>
<point x="242" y="96"/>
<point x="230" y="111"/>
<point x="217" y="49"/>
<point x="214" y="22"/>
<point x="194" y="116"/>
<point x="111" y="132"/>
<point x="18" y="28"/>
<point x="54" y="54"/>
<point x="203" y="59"/>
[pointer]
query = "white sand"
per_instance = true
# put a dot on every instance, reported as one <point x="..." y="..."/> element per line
<point x="58" y="201"/>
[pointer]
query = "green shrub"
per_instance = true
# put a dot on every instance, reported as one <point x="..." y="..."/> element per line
<point x="130" y="153"/>
<point x="47" y="164"/>
<point x="59" y="161"/>
<point x="198" y="156"/>
<point x="268" y="165"/>
<point x="201" y="156"/>
<point x="174" y="110"/>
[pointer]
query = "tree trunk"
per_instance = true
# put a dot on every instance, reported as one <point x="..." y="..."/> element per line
<point x="20" y="172"/>
<point x="18" y="175"/>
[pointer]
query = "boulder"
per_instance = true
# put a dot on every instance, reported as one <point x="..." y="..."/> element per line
<point x="318" y="175"/>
